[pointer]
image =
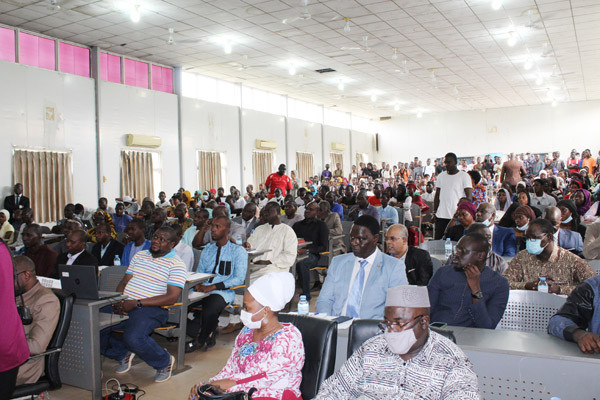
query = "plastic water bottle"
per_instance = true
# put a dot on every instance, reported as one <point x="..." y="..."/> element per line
<point x="117" y="260"/>
<point x="238" y="240"/>
<point x="303" y="305"/>
<point x="543" y="285"/>
<point x="448" y="248"/>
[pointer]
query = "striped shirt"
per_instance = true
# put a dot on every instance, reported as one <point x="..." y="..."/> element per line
<point x="152" y="275"/>
<point x="440" y="371"/>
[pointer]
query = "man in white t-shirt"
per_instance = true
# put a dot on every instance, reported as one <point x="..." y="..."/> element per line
<point x="429" y="169"/>
<point x="451" y="185"/>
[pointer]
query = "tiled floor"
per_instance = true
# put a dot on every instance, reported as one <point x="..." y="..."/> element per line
<point x="204" y="365"/>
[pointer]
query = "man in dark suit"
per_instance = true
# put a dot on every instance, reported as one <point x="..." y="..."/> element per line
<point x="504" y="242"/>
<point x="76" y="253"/>
<point x="16" y="201"/>
<point x="106" y="248"/>
<point x="568" y="240"/>
<point x="419" y="266"/>
<point x="248" y="218"/>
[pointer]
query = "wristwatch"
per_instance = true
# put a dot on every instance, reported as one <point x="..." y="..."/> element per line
<point x="139" y="303"/>
<point x="477" y="295"/>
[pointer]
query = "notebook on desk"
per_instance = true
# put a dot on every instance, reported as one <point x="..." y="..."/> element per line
<point x="81" y="281"/>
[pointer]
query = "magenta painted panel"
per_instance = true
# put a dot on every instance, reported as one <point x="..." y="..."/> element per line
<point x="162" y="79"/>
<point x="7" y="44"/>
<point x="36" y="51"/>
<point x="110" y="68"/>
<point x="74" y="59"/>
<point x="136" y="73"/>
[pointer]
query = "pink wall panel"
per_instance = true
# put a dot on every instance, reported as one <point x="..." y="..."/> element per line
<point x="110" y="68"/>
<point x="162" y="79"/>
<point x="7" y="44"/>
<point x="36" y="51"/>
<point x="74" y="59"/>
<point x="136" y="73"/>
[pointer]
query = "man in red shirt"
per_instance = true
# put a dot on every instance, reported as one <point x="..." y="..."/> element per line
<point x="375" y="200"/>
<point x="278" y="180"/>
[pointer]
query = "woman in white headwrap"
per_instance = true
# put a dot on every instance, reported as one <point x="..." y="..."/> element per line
<point x="7" y="232"/>
<point x="267" y="355"/>
<point x="503" y="201"/>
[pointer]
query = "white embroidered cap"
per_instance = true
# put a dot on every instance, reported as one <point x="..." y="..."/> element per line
<point x="407" y="296"/>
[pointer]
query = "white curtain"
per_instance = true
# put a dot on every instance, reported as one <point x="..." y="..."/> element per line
<point x="209" y="170"/>
<point x="262" y="166"/>
<point x="137" y="174"/>
<point x="305" y="166"/>
<point x="335" y="159"/>
<point x="47" y="180"/>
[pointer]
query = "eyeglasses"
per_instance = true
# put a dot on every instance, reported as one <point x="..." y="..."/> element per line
<point x="387" y="326"/>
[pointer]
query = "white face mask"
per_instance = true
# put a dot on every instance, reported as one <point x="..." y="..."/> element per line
<point x="246" y="319"/>
<point x="524" y="227"/>
<point x="400" y="342"/>
<point x="487" y="222"/>
<point x="566" y="221"/>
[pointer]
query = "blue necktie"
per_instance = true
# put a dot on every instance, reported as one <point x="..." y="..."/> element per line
<point x="353" y="307"/>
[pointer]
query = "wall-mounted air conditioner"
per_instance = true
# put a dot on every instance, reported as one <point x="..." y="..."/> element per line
<point x="143" y="140"/>
<point x="338" y="146"/>
<point x="265" y="145"/>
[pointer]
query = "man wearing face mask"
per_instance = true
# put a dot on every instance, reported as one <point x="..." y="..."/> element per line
<point x="403" y="362"/>
<point x="504" y="242"/>
<point x="278" y="180"/>
<point x="563" y="270"/>
<point x="466" y="293"/>
<point x="564" y="238"/>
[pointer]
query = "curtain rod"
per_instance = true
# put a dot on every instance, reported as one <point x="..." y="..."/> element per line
<point x="40" y="148"/>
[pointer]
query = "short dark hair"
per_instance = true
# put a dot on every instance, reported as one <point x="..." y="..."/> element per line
<point x="177" y="228"/>
<point x="78" y="208"/>
<point x="368" y="222"/>
<point x="452" y="155"/>
<point x="171" y="234"/>
<point x="476" y="227"/>
<point x="35" y="228"/>
<point x="481" y="241"/>
<point x="476" y="176"/>
<point x="104" y="225"/>
<point x="545" y="225"/>
<point x="139" y="223"/>
<point x="226" y="220"/>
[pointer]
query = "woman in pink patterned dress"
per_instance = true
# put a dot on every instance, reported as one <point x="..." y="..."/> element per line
<point x="267" y="355"/>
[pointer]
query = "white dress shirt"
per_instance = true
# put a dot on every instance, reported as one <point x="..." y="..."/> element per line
<point x="186" y="254"/>
<point x="370" y="261"/>
<point x="72" y="257"/>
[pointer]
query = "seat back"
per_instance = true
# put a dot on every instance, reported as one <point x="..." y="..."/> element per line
<point x="59" y="336"/>
<point x="362" y="330"/>
<point x="434" y="246"/>
<point x="529" y="311"/>
<point x="437" y="264"/>
<point x="110" y="277"/>
<point x="415" y="211"/>
<point x="121" y="237"/>
<point x="400" y="215"/>
<point x="320" y="340"/>
<point x="595" y="264"/>
<point x="346" y="228"/>
<point x="197" y="254"/>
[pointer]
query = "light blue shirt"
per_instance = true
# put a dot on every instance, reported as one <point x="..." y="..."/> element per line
<point x="230" y="270"/>
<point x="188" y="235"/>
<point x="389" y="213"/>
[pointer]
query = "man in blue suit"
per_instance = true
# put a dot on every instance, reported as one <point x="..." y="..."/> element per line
<point x="504" y="242"/>
<point x="357" y="282"/>
<point x="568" y="240"/>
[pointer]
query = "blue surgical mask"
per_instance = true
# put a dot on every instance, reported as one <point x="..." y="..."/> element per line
<point x="524" y="227"/>
<point x="566" y="221"/>
<point x="487" y="222"/>
<point x="534" y="246"/>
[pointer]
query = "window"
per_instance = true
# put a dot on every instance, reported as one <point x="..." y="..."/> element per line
<point x="362" y="124"/>
<point x="305" y="111"/>
<point x="336" y="158"/>
<point x="74" y="59"/>
<point x="47" y="178"/>
<point x="137" y="173"/>
<point x="7" y="44"/>
<point x="110" y="68"/>
<point x="361" y="157"/>
<point x="262" y="166"/>
<point x="305" y="166"/>
<point x="336" y="118"/>
<point x="36" y="51"/>
<point x="162" y="79"/>
<point x="136" y="73"/>
<point x="259" y="100"/>
<point x="211" y="169"/>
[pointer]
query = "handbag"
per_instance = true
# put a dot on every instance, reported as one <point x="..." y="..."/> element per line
<point x="209" y="392"/>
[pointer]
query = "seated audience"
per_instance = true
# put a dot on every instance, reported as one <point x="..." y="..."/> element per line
<point x="411" y="188"/>
<point x="76" y="253"/>
<point x="502" y="202"/>
<point x="375" y="200"/>
<point x="356" y="282"/>
<point x="278" y="238"/>
<point x="45" y="309"/>
<point x="388" y="213"/>
<point x="335" y="207"/>
<point x="571" y="220"/>
<point x="428" y="196"/>
<point x="493" y="261"/>
<point x="120" y="219"/>
<point x="236" y="231"/>
<point x="564" y="238"/>
<point x="43" y="257"/>
<point x="332" y="220"/>
<point x="98" y="218"/>
<point x="591" y="243"/>
<point x="314" y="230"/>
<point x="583" y="201"/>
<point x="7" y="231"/>
<point x="228" y="262"/>
<point x="479" y="190"/>
<point x="106" y="248"/>
<point x="541" y="199"/>
<point x="460" y="222"/>
<point x="181" y="213"/>
<point x="183" y="250"/>
<point x="248" y="219"/>
<point x="578" y="320"/>
<point x="68" y="227"/>
<point x="404" y="362"/>
<point x="137" y="242"/>
<point x="195" y="233"/>
<point x="69" y="214"/>
<point x="291" y="216"/>
<point x="162" y="201"/>
<point x="563" y="270"/>
<point x="158" y="219"/>
<point x="503" y="239"/>
<point x="467" y="293"/>
<point x="522" y="216"/>
<point x="417" y="262"/>
<point x="267" y="355"/>
<point x="27" y="219"/>
<point x="155" y="278"/>
<point x="364" y="208"/>
<point x="508" y="220"/>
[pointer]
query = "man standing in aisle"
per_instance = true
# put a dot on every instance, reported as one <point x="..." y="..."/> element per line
<point x="278" y="180"/>
<point x="451" y="185"/>
<point x="512" y="172"/>
<point x="16" y="201"/>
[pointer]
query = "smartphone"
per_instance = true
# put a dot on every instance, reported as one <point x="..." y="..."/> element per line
<point x="440" y="325"/>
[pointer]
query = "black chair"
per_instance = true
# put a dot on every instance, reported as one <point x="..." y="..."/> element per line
<point x="51" y="378"/>
<point x="320" y="340"/>
<point x="362" y="330"/>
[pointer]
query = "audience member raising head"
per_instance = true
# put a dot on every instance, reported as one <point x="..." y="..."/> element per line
<point x="417" y="262"/>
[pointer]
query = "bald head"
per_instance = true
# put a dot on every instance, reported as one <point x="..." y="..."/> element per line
<point x="396" y="240"/>
<point x="485" y="212"/>
<point x="554" y="215"/>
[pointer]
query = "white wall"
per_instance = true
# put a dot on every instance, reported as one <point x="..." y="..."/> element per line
<point x="541" y="128"/>
<point x="126" y="109"/>
<point x="363" y="143"/>
<point x="26" y="92"/>
<point x="209" y="127"/>
<point x="264" y="126"/>
<point x="305" y="137"/>
<point x="337" y="135"/>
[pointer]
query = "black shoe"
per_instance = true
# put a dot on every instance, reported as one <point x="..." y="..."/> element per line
<point x="211" y="341"/>
<point x="191" y="346"/>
